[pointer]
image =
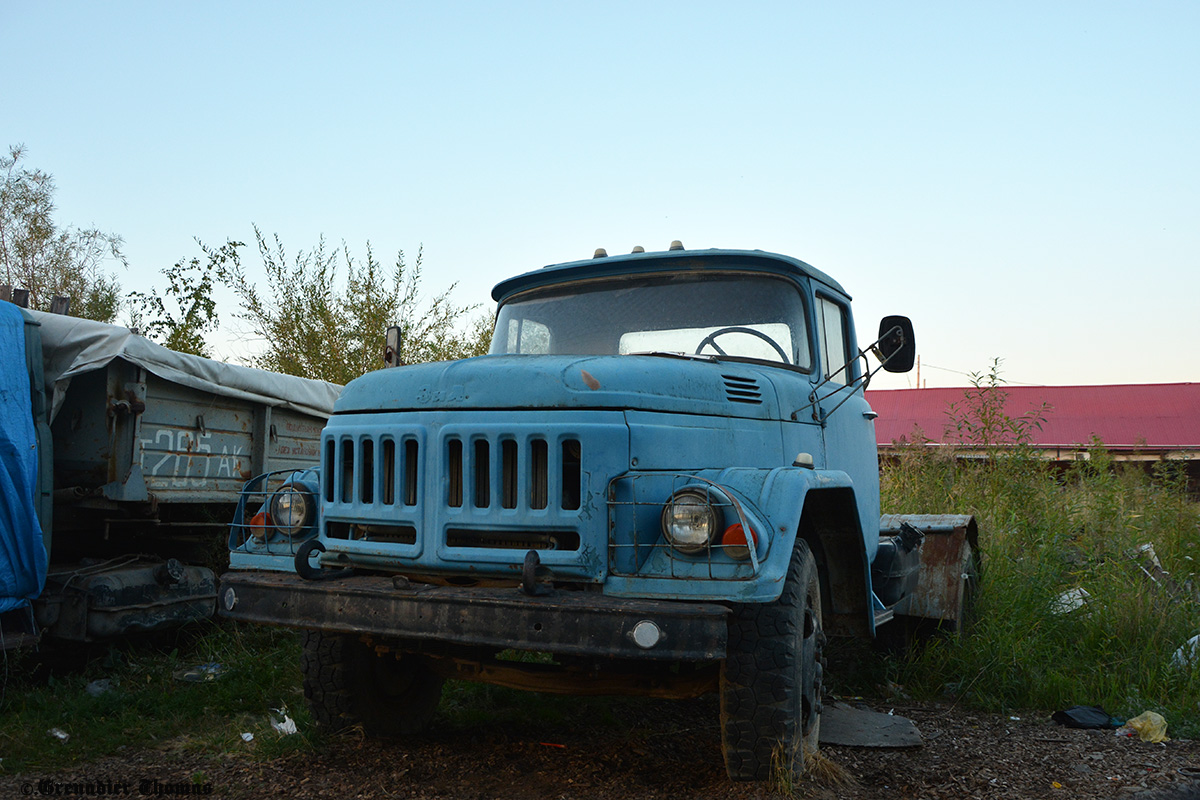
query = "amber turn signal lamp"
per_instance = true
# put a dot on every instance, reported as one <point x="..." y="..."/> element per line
<point x="734" y="541"/>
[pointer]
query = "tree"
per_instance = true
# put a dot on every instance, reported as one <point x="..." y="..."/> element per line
<point x="313" y="329"/>
<point x="37" y="255"/>
<point x="190" y="293"/>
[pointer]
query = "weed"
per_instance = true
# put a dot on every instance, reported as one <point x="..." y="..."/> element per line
<point x="1046" y="531"/>
<point x="783" y="780"/>
<point x="823" y="772"/>
<point x="817" y="769"/>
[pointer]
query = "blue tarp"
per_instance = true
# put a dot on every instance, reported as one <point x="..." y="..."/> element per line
<point x="22" y="552"/>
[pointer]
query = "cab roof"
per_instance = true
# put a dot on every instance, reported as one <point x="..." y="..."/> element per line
<point x="603" y="266"/>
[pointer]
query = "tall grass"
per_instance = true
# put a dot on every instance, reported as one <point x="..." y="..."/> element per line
<point x="1046" y="531"/>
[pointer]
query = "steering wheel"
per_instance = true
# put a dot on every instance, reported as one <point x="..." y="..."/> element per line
<point x="710" y="339"/>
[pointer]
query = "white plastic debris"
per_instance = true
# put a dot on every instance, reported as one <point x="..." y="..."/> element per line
<point x="1070" y="600"/>
<point x="200" y="673"/>
<point x="1188" y="655"/>
<point x="97" y="688"/>
<point x="247" y="737"/>
<point x="59" y="733"/>
<point x="286" y="725"/>
<point x="1146" y="551"/>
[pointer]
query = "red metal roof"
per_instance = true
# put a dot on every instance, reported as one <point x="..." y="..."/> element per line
<point x="1153" y="416"/>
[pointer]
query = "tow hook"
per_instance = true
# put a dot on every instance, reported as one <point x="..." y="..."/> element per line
<point x="310" y="573"/>
<point x="531" y="570"/>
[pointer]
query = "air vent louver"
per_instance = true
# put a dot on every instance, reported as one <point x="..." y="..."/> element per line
<point x="742" y="390"/>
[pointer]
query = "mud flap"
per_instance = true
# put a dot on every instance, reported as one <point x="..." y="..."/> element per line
<point x="950" y="567"/>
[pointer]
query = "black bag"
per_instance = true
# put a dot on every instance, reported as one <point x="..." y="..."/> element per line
<point x="1085" y="717"/>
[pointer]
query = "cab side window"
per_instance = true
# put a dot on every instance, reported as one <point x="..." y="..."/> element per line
<point x="835" y="352"/>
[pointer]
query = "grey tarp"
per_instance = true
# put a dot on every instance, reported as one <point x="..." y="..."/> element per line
<point x="72" y="346"/>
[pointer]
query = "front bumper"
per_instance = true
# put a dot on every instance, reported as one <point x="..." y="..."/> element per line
<point x="569" y="623"/>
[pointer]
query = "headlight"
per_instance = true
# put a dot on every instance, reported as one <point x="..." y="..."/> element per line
<point x="689" y="520"/>
<point x="292" y="509"/>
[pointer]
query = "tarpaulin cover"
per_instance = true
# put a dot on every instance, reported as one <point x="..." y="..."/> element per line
<point x="22" y="552"/>
<point x="73" y="346"/>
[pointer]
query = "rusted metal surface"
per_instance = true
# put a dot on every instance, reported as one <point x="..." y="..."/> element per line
<point x="572" y="623"/>
<point x="130" y="594"/>
<point x="653" y="680"/>
<point x="949" y="564"/>
<point x="127" y="435"/>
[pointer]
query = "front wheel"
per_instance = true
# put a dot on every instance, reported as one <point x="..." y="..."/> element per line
<point x="771" y="679"/>
<point x="347" y="684"/>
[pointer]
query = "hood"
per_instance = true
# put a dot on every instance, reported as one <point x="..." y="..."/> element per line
<point x="650" y="383"/>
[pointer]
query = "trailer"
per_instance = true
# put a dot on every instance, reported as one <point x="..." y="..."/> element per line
<point x="141" y="455"/>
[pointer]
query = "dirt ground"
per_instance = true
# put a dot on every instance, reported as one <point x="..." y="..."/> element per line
<point x="660" y="749"/>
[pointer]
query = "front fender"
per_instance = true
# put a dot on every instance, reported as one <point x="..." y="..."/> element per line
<point x="773" y="501"/>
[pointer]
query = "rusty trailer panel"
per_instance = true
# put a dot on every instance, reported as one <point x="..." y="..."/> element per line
<point x="130" y="436"/>
<point x="950" y="565"/>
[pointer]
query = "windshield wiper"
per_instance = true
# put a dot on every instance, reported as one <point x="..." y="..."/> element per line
<point x="669" y="354"/>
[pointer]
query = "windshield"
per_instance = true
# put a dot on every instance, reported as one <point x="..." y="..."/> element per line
<point x="740" y="315"/>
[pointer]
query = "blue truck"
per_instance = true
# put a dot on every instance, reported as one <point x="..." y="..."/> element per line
<point x="663" y="479"/>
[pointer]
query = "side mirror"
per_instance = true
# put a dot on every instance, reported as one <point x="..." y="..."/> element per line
<point x="391" y="347"/>
<point x="897" y="346"/>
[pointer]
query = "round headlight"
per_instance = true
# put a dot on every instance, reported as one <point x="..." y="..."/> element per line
<point x="291" y="509"/>
<point x="689" y="521"/>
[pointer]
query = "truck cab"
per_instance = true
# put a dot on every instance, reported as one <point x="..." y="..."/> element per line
<point x="663" y="475"/>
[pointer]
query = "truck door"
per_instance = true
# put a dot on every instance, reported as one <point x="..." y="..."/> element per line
<point x="848" y="423"/>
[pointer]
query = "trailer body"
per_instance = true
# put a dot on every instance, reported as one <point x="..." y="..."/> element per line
<point x="143" y="454"/>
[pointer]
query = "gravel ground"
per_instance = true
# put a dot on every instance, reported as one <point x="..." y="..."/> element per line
<point x="663" y="749"/>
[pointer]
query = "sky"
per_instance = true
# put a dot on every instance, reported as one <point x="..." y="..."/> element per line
<point x="1022" y="179"/>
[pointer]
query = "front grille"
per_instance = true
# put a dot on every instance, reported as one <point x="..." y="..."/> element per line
<point x="513" y="540"/>
<point x="496" y="472"/>
<point x="392" y="534"/>
<point x="349" y="474"/>
<point x="393" y="487"/>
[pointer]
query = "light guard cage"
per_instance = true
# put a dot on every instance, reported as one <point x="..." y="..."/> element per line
<point x="251" y="535"/>
<point x="637" y="546"/>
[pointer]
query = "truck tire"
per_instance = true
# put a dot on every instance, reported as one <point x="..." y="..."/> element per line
<point x="347" y="684"/>
<point x="771" y="679"/>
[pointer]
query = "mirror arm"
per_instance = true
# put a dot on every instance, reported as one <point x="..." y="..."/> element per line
<point x="860" y="383"/>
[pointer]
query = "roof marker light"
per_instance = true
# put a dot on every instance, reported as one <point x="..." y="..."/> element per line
<point x="600" y="253"/>
<point x="676" y="245"/>
<point x="638" y="249"/>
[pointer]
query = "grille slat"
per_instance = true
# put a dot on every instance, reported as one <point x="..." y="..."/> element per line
<point x="540" y="477"/>
<point x="454" y="473"/>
